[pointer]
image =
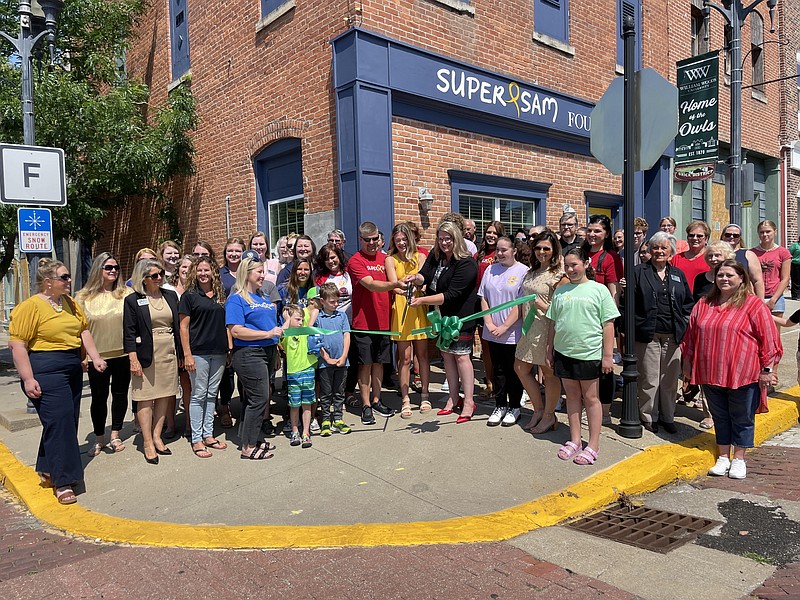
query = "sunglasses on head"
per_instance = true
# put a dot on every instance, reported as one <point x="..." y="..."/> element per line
<point x="155" y="276"/>
<point x="110" y="267"/>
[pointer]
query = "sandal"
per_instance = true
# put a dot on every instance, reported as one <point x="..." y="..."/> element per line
<point x="405" y="412"/>
<point x="65" y="495"/>
<point x="215" y="444"/>
<point x="202" y="453"/>
<point x="44" y="480"/>
<point x="225" y="418"/>
<point x="568" y="450"/>
<point x="258" y="453"/>
<point x="116" y="445"/>
<point x="425" y="403"/>
<point x="306" y="443"/>
<point x="95" y="450"/>
<point x="587" y="457"/>
<point x="267" y="446"/>
<point x="707" y="423"/>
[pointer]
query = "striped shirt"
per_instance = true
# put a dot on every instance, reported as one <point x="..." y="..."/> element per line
<point x="728" y="346"/>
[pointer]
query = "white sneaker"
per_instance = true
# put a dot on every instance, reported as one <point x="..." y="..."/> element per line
<point x="511" y="418"/>
<point x="445" y="386"/>
<point x="314" y="427"/>
<point x="497" y="416"/>
<point x="525" y="400"/>
<point x="721" y="467"/>
<point x="738" y="469"/>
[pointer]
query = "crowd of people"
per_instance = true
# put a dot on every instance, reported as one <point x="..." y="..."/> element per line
<point x="545" y="305"/>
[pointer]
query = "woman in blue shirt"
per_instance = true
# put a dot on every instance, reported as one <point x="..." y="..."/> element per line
<point x="252" y="320"/>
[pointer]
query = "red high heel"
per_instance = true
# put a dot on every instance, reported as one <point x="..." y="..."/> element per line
<point x="459" y="405"/>
<point x="464" y="419"/>
<point x="444" y="411"/>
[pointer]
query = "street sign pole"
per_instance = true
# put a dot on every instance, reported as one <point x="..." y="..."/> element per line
<point x="630" y="425"/>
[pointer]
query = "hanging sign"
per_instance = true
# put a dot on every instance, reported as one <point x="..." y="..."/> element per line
<point x="698" y="113"/>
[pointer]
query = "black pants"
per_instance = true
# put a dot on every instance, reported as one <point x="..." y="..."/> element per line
<point x="226" y="387"/>
<point x="795" y="285"/>
<point x="117" y="378"/>
<point x="331" y="392"/>
<point x="507" y="386"/>
<point x="60" y="378"/>
<point x="253" y="365"/>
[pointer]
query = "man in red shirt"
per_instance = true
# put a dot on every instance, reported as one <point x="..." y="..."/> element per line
<point x="371" y="304"/>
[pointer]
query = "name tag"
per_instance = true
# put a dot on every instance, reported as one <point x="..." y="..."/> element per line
<point x="675" y="278"/>
<point x="142" y="302"/>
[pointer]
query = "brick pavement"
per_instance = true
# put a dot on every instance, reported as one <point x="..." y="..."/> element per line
<point x="37" y="563"/>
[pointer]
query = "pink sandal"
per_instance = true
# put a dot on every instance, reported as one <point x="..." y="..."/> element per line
<point x="587" y="457"/>
<point x="568" y="450"/>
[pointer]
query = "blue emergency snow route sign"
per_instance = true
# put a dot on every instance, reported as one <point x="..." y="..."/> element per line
<point x="35" y="230"/>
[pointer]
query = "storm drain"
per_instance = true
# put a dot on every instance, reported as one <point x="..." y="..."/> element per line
<point x="656" y="530"/>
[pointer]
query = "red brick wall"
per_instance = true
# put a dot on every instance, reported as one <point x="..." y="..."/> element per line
<point x="252" y="88"/>
<point x="789" y="30"/>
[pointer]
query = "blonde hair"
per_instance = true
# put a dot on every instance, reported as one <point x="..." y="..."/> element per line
<point x="411" y="248"/>
<point x="47" y="270"/>
<point x="140" y="270"/>
<point x="459" y="247"/>
<point x="242" y="273"/>
<point x="723" y="248"/>
<point x="94" y="284"/>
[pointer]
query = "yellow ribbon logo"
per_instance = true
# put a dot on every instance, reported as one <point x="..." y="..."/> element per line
<point x="513" y="91"/>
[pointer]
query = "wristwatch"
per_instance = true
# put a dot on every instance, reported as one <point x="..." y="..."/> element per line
<point x="766" y="370"/>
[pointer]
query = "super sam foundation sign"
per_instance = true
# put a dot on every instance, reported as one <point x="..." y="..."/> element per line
<point x="439" y="79"/>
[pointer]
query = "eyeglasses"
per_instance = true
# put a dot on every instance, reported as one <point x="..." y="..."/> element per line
<point x="445" y="240"/>
<point x="110" y="267"/>
<point x="696" y="236"/>
<point x="734" y="236"/>
<point x="543" y="249"/>
<point x="372" y="239"/>
<point x="64" y="277"/>
<point x="638" y="233"/>
<point x="569" y="225"/>
<point x="155" y="276"/>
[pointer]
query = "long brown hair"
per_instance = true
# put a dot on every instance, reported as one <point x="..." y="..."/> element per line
<point x="216" y="284"/>
<point x="484" y="248"/>
<point x="739" y="296"/>
<point x="293" y="286"/>
<point x="555" y="260"/>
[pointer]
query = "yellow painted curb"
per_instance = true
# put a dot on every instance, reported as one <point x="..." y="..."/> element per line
<point x="644" y="472"/>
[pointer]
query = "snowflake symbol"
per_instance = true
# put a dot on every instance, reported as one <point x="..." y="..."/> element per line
<point x="34" y="221"/>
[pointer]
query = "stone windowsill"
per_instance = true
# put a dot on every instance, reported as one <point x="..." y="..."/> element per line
<point x="275" y="15"/>
<point x="185" y="78"/>
<point x="567" y="49"/>
<point x="758" y="95"/>
<point x="464" y="8"/>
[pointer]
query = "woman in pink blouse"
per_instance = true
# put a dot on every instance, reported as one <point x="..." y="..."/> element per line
<point x="776" y="265"/>
<point x="731" y="316"/>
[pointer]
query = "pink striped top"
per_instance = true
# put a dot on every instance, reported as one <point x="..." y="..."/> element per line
<point x="729" y="346"/>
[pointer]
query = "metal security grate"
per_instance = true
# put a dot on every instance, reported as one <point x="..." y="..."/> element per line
<point x="647" y="528"/>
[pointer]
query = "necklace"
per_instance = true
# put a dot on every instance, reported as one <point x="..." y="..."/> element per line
<point x="56" y="305"/>
<point x="159" y="306"/>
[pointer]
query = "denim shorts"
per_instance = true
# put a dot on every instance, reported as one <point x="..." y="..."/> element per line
<point x="780" y="305"/>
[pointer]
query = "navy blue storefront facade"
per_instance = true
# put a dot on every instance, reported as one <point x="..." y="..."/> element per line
<point x="377" y="79"/>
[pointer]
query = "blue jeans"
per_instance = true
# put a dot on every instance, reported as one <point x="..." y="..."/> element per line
<point x="205" y="382"/>
<point x="734" y="413"/>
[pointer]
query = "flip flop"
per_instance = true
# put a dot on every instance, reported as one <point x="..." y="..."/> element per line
<point x="216" y="445"/>
<point x="586" y="457"/>
<point x="201" y="453"/>
<point x="95" y="450"/>
<point x="568" y="450"/>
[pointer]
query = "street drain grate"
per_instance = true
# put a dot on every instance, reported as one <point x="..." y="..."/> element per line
<point x="656" y="530"/>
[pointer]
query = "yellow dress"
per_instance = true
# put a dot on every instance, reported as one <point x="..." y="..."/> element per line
<point x="416" y="317"/>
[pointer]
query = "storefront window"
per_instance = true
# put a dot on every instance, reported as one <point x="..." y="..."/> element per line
<point x="513" y="213"/>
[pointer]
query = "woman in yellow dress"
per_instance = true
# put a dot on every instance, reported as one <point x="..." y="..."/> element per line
<point x="404" y="259"/>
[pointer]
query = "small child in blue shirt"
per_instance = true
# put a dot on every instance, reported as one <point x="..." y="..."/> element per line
<point x="332" y="364"/>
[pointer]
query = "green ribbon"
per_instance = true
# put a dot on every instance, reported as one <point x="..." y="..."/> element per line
<point x="448" y="328"/>
<point x="317" y="331"/>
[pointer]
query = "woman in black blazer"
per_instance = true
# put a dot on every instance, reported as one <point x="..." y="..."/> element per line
<point x="450" y="274"/>
<point x="663" y="303"/>
<point x="152" y="340"/>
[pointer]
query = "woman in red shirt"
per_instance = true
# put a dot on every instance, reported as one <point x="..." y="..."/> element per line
<point x="608" y="270"/>
<point x="776" y="266"/>
<point x="731" y="316"/>
<point x="691" y="261"/>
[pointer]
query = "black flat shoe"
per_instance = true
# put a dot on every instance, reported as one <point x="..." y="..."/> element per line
<point x="668" y="427"/>
<point x="152" y="461"/>
<point x="164" y="452"/>
<point x="651" y="427"/>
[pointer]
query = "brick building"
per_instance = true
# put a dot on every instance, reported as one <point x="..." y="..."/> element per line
<point x="315" y="115"/>
<point x="789" y="30"/>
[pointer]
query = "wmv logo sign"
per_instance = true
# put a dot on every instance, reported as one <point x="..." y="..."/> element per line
<point x="697" y="73"/>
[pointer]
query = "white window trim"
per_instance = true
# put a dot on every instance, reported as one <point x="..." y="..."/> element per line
<point x="284" y="200"/>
